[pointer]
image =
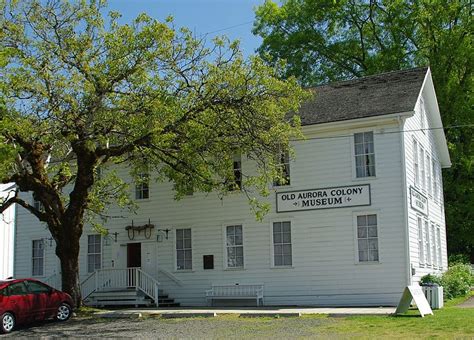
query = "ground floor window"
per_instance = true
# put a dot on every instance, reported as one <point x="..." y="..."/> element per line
<point x="38" y="258"/>
<point x="94" y="252"/>
<point x="282" y="244"/>
<point x="235" y="246"/>
<point x="433" y="245"/>
<point x="421" y="250"/>
<point x="184" y="254"/>
<point x="438" y="236"/>
<point x="367" y="238"/>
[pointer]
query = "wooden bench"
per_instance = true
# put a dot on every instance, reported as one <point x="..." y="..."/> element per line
<point x="235" y="291"/>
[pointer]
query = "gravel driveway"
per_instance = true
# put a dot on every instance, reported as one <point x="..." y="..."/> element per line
<point x="222" y="327"/>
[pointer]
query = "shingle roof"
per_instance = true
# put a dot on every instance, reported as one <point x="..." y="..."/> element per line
<point x="386" y="93"/>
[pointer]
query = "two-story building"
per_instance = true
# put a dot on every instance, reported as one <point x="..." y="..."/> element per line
<point x="360" y="217"/>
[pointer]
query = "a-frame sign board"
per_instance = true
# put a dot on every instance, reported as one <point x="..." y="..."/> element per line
<point x="414" y="293"/>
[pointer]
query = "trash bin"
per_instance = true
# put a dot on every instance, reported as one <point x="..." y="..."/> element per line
<point x="434" y="294"/>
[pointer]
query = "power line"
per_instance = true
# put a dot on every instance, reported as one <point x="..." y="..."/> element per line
<point x="390" y="132"/>
<point x="229" y="27"/>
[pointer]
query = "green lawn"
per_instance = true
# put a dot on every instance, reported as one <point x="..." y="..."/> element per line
<point x="447" y="323"/>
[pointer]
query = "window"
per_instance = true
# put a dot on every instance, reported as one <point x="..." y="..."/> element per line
<point x="283" y="168"/>
<point x="142" y="189"/>
<point x="428" y="174"/>
<point x="93" y="252"/>
<point x="438" y="236"/>
<point x="416" y="169"/>
<point x="282" y="244"/>
<point x="422" y="115"/>
<point x="367" y="238"/>
<point x="435" y="179"/>
<point x="422" y="167"/>
<point x="421" y="251"/>
<point x="184" y="253"/>
<point x="236" y="183"/>
<point x="427" y="243"/>
<point x="18" y="288"/>
<point x="38" y="258"/>
<point x="433" y="245"/>
<point x="38" y="205"/>
<point x="364" y="154"/>
<point x="235" y="246"/>
<point x="37" y="288"/>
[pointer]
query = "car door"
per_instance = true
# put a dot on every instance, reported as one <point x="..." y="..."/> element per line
<point x="41" y="295"/>
<point x="19" y="301"/>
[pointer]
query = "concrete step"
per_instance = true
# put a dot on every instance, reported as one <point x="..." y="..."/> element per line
<point x="175" y="304"/>
<point x="144" y="303"/>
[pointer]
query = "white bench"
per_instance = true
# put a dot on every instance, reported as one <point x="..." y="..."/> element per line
<point x="235" y="291"/>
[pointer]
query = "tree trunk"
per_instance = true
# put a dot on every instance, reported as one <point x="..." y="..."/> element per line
<point x="68" y="252"/>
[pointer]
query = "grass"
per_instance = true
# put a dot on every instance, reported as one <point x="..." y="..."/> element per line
<point x="447" y="323"/>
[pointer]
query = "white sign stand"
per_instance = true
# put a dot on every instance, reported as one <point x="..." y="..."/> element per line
<point x="414" y="293"/>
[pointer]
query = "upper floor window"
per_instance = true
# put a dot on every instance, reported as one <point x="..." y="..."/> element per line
<point x="438" y="236"/>
<point x="234" y="246"/>
<point x="422" y="167"/>
<point x="421" y="247"/>
<point x="433" y="245"/>
<point x="367" y="238"/>
<point x="94" y="252"/>
<point x="184" y="253"/>
<point x="37" y="258"/>
<point x="282" y="255"/>
<point x="422" y="115"/>
<point x="428" y="174"/>
<point x="364" y="154"/>
<point x="427" y="243"/>
<point x="38" y="205"/>
<point x="416" y="166"/>
<point x="142" y="187"/>
<point x="236" y="182"/>
<point x="283" y="167"/>
<point x="435" y="179"/>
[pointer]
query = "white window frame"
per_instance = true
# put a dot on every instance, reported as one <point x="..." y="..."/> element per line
<point x="435" y="179"/>
<point x="422" y="115"/>
<point x="355" y="155"/>
<point x="438" y="245"/>
<point x="427" y="239"/>
<point x="237" y="177"/>
<point x="33" y="257"/>
<point x="421" y="245"/>
<point x="355" y="214"/>
<point x="272" y="250"/>
<point x="416" y="164"/>
<point x="142" y="187"/>
<point x="429" y="174"/>
<point x="89" y="254"/>
<point x="422" y="168"/>
<point x="434" y="254"/>
<point x="184" y="249"/>
<point x="224" y="238"/>
<point x="283" y="161"/>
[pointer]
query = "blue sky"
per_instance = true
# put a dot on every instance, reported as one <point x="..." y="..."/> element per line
<point x="201" y="16"/>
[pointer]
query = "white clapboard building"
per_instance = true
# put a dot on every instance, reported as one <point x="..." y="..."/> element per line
<point x="7" y="232"/>
<point x="360" y="218"/>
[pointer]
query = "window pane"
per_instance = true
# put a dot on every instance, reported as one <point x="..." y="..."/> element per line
<point x="358" y="138"/>
<point x="239" y="251"/>
<point x="238" y="230"/>
<point x="362" y="220"/>
<point x="187" y="243"/>
<point x="372" y="232"/>
<point x="368" y="137"/>
<point x="277" y="227"/>
<point x="359" y="149"/>
<point x="278" y="260"/>
<point x="286" y="249"/>
<point x="239" y="261"/>
<point x="373" y="244"/>
<point x="363" y="256"/>
<point x="372" y="219"/>
<point x="277" y="249"/>
<point x="363" y="244"/>
<point x="373" y="255"/>
<point x="287" y="238"/>
<point x="286" y="227"/>
<point x="361" y="232"/>
<point x="277" y="238"/>
<point x="287" y="260"/>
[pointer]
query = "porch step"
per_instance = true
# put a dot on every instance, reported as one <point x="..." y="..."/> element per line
<point x="127" y="297"/>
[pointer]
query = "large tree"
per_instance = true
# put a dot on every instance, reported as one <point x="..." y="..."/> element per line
<point x="81" y="92"/>
<point x="327" y="40"/>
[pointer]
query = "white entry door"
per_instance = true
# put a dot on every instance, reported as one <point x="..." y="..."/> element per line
<point x="149" y="259"/>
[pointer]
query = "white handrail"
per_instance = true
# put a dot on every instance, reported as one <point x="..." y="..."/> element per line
<point x="104" y="279"/>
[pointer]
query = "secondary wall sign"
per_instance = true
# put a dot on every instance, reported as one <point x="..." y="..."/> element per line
<point x="418" y="201"/>
<point x="325" y="198"/>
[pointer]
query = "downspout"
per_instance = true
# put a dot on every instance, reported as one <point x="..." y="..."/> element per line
<point x="401" y="121"/>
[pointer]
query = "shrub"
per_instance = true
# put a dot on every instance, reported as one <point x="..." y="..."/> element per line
<point x="430" y="278"/>
<point x="457" y="281"/>
<point x="458" y="258"/>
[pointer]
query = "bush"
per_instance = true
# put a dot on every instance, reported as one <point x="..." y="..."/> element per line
<point x="456" y="281"/>
<point x="458" y="258"/>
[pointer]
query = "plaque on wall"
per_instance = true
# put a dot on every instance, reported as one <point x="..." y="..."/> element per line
<point x="418" y="201"/>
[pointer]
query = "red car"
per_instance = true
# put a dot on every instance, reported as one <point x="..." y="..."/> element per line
<point x="27" y="300"/>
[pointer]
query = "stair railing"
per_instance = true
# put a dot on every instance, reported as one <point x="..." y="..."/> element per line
<point x="111" y="278"/>
<point x="171" y="276"/>
<point x="54" y="281"/>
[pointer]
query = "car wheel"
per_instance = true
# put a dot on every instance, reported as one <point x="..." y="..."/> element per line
<point x="8" y="322"/>
<point x="64" y="312"/>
